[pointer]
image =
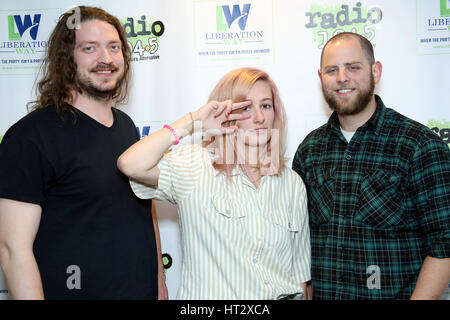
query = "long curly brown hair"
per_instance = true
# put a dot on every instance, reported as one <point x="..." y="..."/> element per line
<point x="59" y="68"/>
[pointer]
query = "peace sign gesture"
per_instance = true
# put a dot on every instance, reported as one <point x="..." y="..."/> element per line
<point x="216" y="115"/>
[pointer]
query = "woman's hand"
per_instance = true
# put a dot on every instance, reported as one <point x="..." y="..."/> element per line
<point x="216" y="116"/>
<point x="139" y="162"/>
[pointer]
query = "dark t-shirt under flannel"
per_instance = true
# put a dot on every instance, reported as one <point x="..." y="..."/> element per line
<point x="378" y="205"/>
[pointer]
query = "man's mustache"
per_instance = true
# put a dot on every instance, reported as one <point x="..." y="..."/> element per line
<point x="104" y="66"/>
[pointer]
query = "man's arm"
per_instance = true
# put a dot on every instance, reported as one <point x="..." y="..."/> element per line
<point x="162" y="288"/>
<point x="19" y="222"/>
<point x="433" y="279"/>
<point x="430" y="189"/>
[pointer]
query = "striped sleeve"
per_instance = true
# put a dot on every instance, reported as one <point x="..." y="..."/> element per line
<point x="302" y="248"/>
<point x="180" y="170"/>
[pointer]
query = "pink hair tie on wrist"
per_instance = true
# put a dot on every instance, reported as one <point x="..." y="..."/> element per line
<point x="173" y="132"/>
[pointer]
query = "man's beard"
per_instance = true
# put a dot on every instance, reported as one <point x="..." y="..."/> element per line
<point x="93" y="91"/>
<point x="362" y="100"/>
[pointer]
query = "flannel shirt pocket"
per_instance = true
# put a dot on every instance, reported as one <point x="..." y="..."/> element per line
<point x="380" y="200"/>
<point x="320" y="184"/>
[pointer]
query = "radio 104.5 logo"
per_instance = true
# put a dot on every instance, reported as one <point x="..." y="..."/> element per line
<point x="143" y="37"/>
<point x="441" y="128"/>
<point x="325" y="21"/>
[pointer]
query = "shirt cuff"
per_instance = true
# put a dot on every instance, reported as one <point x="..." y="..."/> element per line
<point x="142" y="191"/>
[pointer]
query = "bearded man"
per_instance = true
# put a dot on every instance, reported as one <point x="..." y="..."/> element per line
<point x="70" y="225"/>
<point x="378" y="187"/>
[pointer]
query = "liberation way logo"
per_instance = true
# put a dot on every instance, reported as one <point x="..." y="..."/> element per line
<point x="19" y="42"/>
<point x="228" y="32"/>
<point x="24" y="41"/>
<point x="433" y="26"/>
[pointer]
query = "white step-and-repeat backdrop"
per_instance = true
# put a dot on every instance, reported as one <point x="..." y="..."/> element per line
<point x="181" y="48"/>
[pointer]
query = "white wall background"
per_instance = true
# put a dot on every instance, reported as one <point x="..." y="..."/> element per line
<point x="415" y="78"/>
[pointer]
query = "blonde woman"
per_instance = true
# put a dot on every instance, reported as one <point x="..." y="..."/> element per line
<point x="243" y="213"/>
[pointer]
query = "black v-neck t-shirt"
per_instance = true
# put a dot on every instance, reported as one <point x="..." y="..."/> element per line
<point x="96" y="239"/>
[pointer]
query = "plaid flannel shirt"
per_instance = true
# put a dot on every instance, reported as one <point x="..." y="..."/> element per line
<point x="378" y="205"/>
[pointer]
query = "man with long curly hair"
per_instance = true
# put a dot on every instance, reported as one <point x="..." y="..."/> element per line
<point x="70" y="225"/>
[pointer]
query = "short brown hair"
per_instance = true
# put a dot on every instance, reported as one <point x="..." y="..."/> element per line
<point x="366" y="45"/>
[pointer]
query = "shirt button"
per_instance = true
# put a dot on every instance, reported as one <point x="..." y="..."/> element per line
<point x="349" y="157"/>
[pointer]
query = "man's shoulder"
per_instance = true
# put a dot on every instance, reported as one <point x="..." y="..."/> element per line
<point x="36" y="119"/>
<point x="396" y="118"/>
<point x="124" y="121"/>
<point x="121" y="115"/>
<point x="312" y="139"/>
<point x="318" y="132"/>
<point x="404" y="127"/>
<point x="39" y="114"/>
<point x="314" y="136"/>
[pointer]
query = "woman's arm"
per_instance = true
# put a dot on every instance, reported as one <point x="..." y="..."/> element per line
<point x="307" y="290"/>
<point x="139" y="161"/>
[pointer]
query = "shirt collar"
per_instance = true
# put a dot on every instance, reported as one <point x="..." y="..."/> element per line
<point x="237" y="171"/>
<point x="375" y="122"/>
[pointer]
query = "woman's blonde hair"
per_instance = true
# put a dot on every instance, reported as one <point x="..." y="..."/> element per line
<point x="236" y="86"/>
